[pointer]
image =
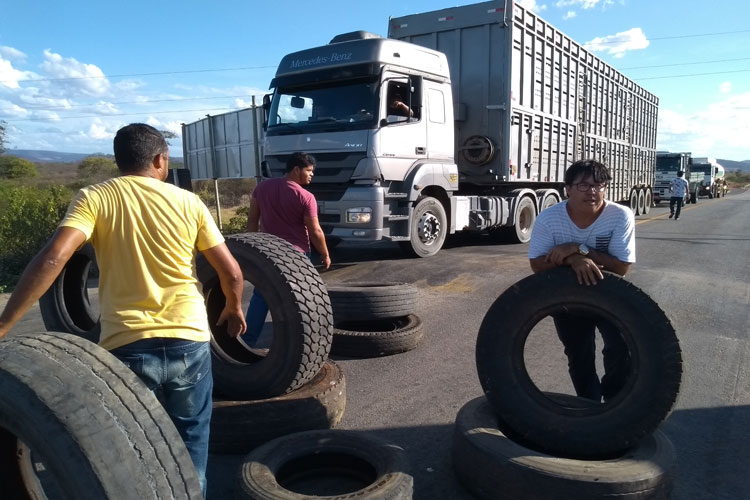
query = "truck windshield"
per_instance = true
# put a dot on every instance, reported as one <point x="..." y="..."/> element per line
<point x="667" y="164"/>
<point x="329" y="108"/>
<point x="704" y="168"/>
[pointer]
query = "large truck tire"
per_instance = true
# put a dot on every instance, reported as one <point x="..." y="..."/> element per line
<point x="526" y="415"/>
<point x="694" y="196"/>
<point x="237" y="427"/>
<point x="301" y="312"/>
<point x="487" y="462"/>
<point x="634" y="201"/>
<point x="384" y="337"/>
<point x="367" y="301"/>
<point x="335" y="465"/>
<point x="641" y="201"/>
<point x="428" y="228"/>
<point x="98" y="430"/>
<point x="648" y="200"/>
<point x="65" y="306"/>
<point x="523" y="220"/>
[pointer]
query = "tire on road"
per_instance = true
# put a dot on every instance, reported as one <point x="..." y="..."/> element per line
<point x="367" y="301"/>
<point x="367" y="339"/>
<point x="634" y="201"/>
<point x="524" y="218"/>
<point x="648" y="200"/>
<point x="641" y="202"/>
<point x="237" y="427"/>
<point x="486" y="461"/>
<point x="98" y="430"/>
<point x="326" y="464"/>
<point x="429" y="227"/>
<point x="528" y="416"/>
<point x="65" y="306"/>
<point x="301" y="312"/>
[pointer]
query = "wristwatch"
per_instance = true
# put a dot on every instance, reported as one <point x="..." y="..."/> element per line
<point x="583" y="249"/>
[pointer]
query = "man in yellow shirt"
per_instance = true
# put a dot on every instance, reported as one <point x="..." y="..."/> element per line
<point x="153" y="318"/>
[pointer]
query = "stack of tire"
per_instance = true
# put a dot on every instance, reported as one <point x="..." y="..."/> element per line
<point x="374" y="319"/>
<point x="530" y="444"/>
<point x="257" y="396"/>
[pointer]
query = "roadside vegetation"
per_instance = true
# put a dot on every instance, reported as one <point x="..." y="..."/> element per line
<point x="738" y="179"/>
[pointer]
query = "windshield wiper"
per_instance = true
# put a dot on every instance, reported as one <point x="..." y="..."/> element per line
<point x="290" y="126"/>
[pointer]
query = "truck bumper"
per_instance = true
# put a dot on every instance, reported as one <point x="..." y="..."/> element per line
<point x="332" y="215"/>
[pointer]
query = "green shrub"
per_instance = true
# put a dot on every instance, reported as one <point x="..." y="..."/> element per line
<point x="16" y="168"/>
<point x="28" y="217"/>
<point x="238" y="223"/>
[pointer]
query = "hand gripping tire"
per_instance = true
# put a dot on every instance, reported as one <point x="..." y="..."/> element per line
<point x="526" y="415"/>
<point x="365" y="339"/>
<point x="301" y="312"/>
<point x="371" y="301"/>
<point x="347" y="464"/>
<point x="97" y="429"/>
<point x="486" y="462"/>
<point x="66" y="307"/>
<point x="237" y="427"/>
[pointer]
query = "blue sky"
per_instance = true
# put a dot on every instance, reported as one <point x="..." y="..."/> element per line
<point x="73" y="72"/>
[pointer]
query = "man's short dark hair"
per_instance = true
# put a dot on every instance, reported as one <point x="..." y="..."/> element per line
<point x="585" y="168"/>
<point x="680" y="173"/>
<point x="300" y="160"/>
<point x="136" y="145"/>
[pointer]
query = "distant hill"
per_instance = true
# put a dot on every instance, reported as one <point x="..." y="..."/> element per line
<point x="731" y="166"/>
<point x="40" y="156"/>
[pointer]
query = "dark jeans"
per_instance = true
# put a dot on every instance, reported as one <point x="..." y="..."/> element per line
<point x="180" y="372"/>
<point x="675" y="200"/>
<point x="577" y="333"/>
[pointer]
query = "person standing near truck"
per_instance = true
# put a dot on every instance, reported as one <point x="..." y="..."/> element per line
<point x="284" y="208"/>
<point x="153" y="317"/>
<point x="679" y="188"/>
<point x="588" y="234"/>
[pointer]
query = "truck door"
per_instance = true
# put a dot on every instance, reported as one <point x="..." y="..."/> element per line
<point x="403" y="133"/>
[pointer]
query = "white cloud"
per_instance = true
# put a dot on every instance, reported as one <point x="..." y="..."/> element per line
<point x="9" y="76"/>
<point x="583" y="4"/>
<point x="8" y="108"/>
<point x="569" y="15"/>
<point x="98" y="130"/>
<point x="532" y="5"/>
<point x="720" y="130"/>
<point x="618" y="44"/>
<point x="171" y="126"/>
<point x="75" y="76"/>
<point x="725" y="87"/>
<point x="12" y="54"/>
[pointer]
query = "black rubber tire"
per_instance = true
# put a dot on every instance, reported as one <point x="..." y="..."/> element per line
<point x="524" y="219"/>
<point x="694" y="196"/>
<point x="237" y="427"/>
<point x="378" y="467"/>
<point x="98" y="430"/>
<point x="367" y="301"/>
<point x="370" y="339"/>
<point x="634" y="201"/>
<point x="648" y="201"/>
<point x="487" y="462"/>
<point x="301" y="312"/>
<point x="641" y="202"/>
<point x="66" y="307"/>
<point x="532" y="419"/>
<point x="428" y="210"/>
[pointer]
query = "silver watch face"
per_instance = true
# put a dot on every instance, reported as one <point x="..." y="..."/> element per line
<point x="583" y="249"/>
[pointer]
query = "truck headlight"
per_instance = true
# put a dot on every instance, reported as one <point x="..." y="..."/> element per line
<point x="359" y="215"/>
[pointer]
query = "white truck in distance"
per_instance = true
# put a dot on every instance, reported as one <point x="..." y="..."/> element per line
<point x="501" y="103"/>
<point x="712" y="183"/>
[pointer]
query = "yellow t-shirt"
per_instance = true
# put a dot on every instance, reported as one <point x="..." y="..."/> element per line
<point x="145" y="233"/>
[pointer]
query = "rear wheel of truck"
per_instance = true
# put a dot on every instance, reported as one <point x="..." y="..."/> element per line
<point x="89" y="420"/>
<point x="649" y="388"/>
<point x="429" y="226"/>
<point x="486" y="462"/>
<point x="369" y="339"/>
<point x="694" y="196"/>
<point x="524" y="218"/>
<point x="641" y="202"/>
<point x="634" y="202"/>
<point x="66" y="306"/>
<point x="647" y="201"/>
<point x="332" y="464"/>
<point x="237" y="427"/>
<point x="300" y="309"/>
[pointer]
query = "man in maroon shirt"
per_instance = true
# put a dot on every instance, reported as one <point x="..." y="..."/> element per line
<point x="285" y="209"/>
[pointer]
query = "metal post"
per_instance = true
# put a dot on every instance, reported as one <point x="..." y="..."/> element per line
<point x="256" y="143"/>
<point x="213" y="169"/>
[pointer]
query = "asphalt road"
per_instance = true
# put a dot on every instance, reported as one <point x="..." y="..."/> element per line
<point x="697" y="269"/>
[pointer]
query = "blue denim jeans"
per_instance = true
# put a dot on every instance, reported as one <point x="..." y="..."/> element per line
<point x="179" y="372"/>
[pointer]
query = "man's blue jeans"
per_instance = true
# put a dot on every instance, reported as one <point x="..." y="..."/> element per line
<point x="179" y="372"/>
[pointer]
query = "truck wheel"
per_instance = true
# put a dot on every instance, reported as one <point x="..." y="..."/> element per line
<point x="331" y="464"/>
<point x="524" y="218"/>
<point x="487" y="462"/>
<point x="634" y="202"/>
<point x="694" y="196"/>
<point x="99" y="432"/>
<point x="429" y="226"/>
<point x="66" y="307"/>
<point x="367" y="301"/>
<point x="301" y="312"/>
<point x="641" y="202"/>
<point x="647" y="201"/>
<point x="369" y="339"/>
<point x="526" y="415"/>
<point x="237" y="427"/>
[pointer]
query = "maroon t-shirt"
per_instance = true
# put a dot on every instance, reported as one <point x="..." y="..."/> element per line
<point x="283" y="206"/>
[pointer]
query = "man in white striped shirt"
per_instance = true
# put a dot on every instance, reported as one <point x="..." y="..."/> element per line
<point x="679" y="187"/>
<point x="588" y="234"/>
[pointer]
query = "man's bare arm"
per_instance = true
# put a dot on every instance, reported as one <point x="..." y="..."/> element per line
<point x="253" y="217"/>
<point x="40" y="274"/>
<point x="232" y="283"/>
<point x="318" y="239"/>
